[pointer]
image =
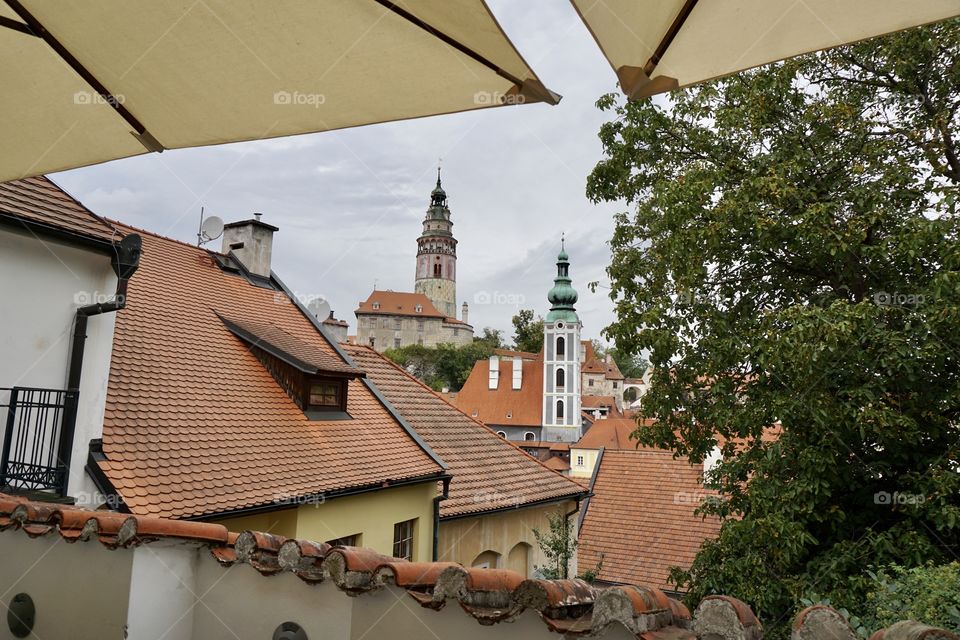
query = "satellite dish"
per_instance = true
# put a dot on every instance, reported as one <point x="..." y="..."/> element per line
<point x="211" y="229"/>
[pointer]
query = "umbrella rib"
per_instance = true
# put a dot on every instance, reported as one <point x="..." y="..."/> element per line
<point x="36" y="28"/>
<point x="669" y="36"/>
<point x="9" y="23"/>
<point x="459" y="46"/>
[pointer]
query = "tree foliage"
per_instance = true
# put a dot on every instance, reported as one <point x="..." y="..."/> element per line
<point x="928" y="594"/>
<point x="790" y="257"/>
<point x="527" y="331"/>
<point x="631" y="365"/>
<point x="558" y="544"/>
<point x="443" y="366"/>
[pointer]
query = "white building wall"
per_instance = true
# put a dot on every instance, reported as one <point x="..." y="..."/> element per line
<point x="42" y="283"/>
<point x="80" y="591"/>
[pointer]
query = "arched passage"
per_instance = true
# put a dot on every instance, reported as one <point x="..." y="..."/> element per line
<point x="487" y="560"/>
<point x="518" y="559"/>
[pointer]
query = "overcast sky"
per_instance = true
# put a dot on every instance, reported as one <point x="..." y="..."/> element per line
<point x="349" y="203"/>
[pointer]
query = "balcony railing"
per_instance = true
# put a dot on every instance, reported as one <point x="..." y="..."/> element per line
<point x="38" y="439"/>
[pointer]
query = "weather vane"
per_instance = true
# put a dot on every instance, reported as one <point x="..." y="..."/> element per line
<point x="563" y="238"/>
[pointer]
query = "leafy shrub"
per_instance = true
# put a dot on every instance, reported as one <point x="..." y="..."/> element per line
<point x="928" y="594"/>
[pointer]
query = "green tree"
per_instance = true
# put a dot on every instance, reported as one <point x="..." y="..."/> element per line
<point x="492" y="337"/>
<point x="558" y="544"/>
<point x="445" y="366"/>
<point x="928" y="594"/>
<point x="528" y="331"/>
<point x="790" y="257"/>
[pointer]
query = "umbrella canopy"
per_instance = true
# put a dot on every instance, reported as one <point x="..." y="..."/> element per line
<point x="87" y="81"/>
<point x="660" y="45"/>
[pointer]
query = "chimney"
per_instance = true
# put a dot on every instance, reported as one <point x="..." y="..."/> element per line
<point x="517" y="372"/>
<point x="494" y="372"/>
<point x="465" y="313"/>
<point x="251" y="241"/>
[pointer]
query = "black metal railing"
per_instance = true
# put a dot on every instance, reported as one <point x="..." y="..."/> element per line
<point x="38" y="438"/>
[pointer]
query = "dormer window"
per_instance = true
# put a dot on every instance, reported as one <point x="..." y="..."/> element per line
<point x="376" y="305"/>
<point x="315" y="379"/>
<point x="325" y="395"/>
<point x="419" y="308"/>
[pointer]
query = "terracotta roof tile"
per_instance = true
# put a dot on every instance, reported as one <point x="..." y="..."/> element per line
<point x="592" y="364"/>
<point x="488" y="471"/>
<point x="612" y="433"/>
<point x="40" y="201"/>
<point x="306" y="356"/>
<point x="641" y="518"/>
<point x="398" y="303"/>
<point x="195" y="424"/>
<point x="492" y="406"/>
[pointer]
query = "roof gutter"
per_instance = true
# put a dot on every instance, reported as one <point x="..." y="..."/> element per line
<point x="407" y="427"/>
<point x="436" y="518"/>
<point x="528" y="505"/>
<point x="125" y="262"/>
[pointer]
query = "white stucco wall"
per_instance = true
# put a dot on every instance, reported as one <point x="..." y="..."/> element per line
<point x="238" y="602"/>
<point x="42" y="283"/>
<point x="79" y="590"/>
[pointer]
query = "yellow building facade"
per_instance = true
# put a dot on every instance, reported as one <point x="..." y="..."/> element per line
<point x="371" y="517"/>
<point x="501" y="540"/>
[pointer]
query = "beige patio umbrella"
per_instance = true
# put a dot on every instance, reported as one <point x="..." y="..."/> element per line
<point x="87" y="81"/>
<point x="660" y="45"/>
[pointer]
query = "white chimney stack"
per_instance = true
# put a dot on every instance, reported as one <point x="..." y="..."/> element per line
<point x="494" y="372"/>
<point x="465" y="313"/>
<point x="251" y="242"/>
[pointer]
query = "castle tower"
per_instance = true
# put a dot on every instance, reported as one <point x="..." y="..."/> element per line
<point x="437" y="255"/>
<point x="561" y="359"/>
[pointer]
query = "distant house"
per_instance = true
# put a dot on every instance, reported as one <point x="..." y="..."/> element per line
<point x="61" y="292"/>
<point x="394" y="319"/>
<point x="601" y="376"/>
<point x="608" y="434"/>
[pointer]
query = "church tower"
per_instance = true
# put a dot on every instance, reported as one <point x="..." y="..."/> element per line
<point x="561" y="359"/>
<point x="437" y="255"/>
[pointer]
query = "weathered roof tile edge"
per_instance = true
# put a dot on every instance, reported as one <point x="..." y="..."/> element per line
<point x="571" y="607"/>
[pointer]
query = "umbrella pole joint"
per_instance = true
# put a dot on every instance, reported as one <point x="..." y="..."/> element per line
<point x="34" y="27"/>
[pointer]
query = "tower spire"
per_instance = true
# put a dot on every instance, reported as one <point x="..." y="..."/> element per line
<point x="562" y="296"/>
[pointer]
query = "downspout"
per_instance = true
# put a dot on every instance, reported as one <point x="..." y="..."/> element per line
<point x="125" y="261"/>
<point x="436" y="517"/>
<point x="566" y="523"/>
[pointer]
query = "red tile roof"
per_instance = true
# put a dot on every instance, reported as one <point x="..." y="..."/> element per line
<point x="572" y="607"/>
<point x="492" y="406"/>
<point x="398" y="303"/>
<point x="489" y="473"/>
<point x="592" y="364"/>
<point x="509" y="353"/>
<point x="596" y="402"/>
<point x="195" y="425"/>
<point x="641" y="518"/>
<point x="41" y="202"/>
<point x="557" y="464"/>
<point x="612" y="433"/>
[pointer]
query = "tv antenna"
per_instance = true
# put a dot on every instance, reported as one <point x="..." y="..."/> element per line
<point x="210" y="229"/>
